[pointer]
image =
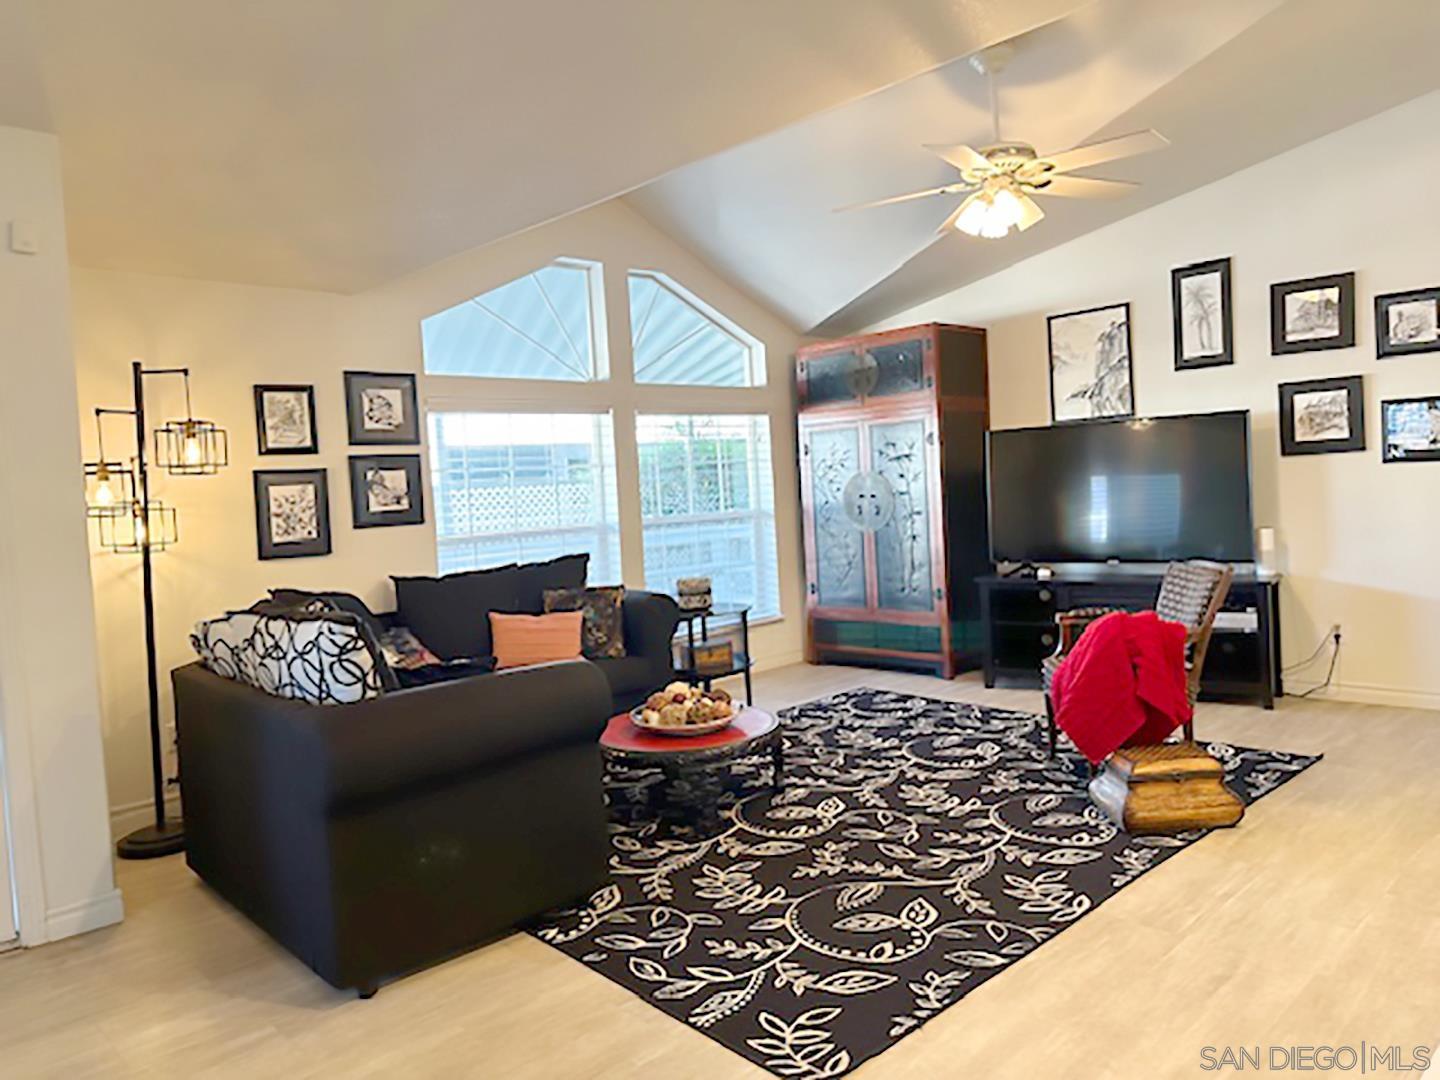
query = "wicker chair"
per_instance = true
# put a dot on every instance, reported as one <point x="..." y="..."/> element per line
<point x="1190" y="593"/>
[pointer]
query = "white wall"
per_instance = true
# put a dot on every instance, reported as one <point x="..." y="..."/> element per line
<point x="1358" y="538"/>
<point x="234" y="336"/>
<point x="49" y="708"/>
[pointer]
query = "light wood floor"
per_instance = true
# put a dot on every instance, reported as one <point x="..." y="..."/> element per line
<point x="1313" y="923"/>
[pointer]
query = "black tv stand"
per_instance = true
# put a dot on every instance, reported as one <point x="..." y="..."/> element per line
<point x="1018" y="620"/>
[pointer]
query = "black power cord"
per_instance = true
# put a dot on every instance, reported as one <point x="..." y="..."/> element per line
<point x="1334" y="638"/>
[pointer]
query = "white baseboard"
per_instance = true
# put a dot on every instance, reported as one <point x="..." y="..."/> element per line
<point x="84" y="916"/>
<point x="125" y="818"/>
<point x="1367" y="694"/>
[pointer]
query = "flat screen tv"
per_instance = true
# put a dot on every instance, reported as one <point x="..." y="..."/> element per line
<point x="1174" y="487"/>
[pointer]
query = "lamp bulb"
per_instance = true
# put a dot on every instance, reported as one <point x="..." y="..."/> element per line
<point x="104" y="493"/>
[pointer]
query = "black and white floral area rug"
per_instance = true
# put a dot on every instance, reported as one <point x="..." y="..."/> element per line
<point x="916" y="849"/>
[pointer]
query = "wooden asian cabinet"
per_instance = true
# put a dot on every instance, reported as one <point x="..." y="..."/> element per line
<point x="892" y="477"/>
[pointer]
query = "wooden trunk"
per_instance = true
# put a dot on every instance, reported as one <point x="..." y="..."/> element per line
<point x="1165" y="788"/>
<point x="892" y="471"/>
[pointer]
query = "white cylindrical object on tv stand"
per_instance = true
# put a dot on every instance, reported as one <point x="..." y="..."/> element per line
<point x="1265" y="550"/>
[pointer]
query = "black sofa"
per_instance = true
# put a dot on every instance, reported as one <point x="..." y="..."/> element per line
<point x="648" y="663"/>
<point x="375" y="838"/>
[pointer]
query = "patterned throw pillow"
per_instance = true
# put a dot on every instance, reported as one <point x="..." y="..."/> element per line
<point x="404" y="651"/>
<point x="322" y="660"/>
<point x="602" y="634"/>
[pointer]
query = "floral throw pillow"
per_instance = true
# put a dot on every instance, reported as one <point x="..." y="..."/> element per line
<point x="602" y="628"/>
<point x="404" y="651"/>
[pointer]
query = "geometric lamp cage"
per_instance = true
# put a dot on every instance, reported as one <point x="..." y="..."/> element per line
<point x="125" y="533"/>
<point x="191" y="447"/>
<point x="109" y="489"/>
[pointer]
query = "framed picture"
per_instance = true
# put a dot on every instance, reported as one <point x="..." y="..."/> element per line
<point x="1313" y="313"/>
<point x="292" y="513"/>
<point x="1407" y="322"/>
<point x="386" y="489"/>
<point x="1412" y="429"/>
<point x="1090" y="364"/>
<point x="380" y="408"/>
<point x="1200" y="308"/>
<point x="1322" y="416"/>
<point x="285" y="419"/>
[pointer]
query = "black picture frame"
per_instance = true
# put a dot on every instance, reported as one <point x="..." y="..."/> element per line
<point x="1389" y="451"/>
<point x="265" y="430"/>
<point x="1314" y="415"/>
<point x="364" y="511"/>
<point x="270" y="542"/>
<point x="1055" y="407"/>
<point x="364" y="391"/>
<point x="1385" y="344"/>
<point x="1284" y="340"/>
<point x="1224" y="316"/>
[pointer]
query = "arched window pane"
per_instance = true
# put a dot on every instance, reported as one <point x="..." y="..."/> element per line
<point x="540" y="326"/>
<point x="677" y="340"/>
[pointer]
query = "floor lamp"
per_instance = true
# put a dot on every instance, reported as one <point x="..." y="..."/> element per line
<point x="129" y="521"/>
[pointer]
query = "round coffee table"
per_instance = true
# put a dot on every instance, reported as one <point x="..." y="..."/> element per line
<point x="692" y="767"/>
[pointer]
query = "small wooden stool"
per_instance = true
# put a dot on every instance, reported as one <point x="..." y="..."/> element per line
<point x="1165" y="788"/>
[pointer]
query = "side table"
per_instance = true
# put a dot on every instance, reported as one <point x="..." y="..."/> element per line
<point x="742" y="664"/>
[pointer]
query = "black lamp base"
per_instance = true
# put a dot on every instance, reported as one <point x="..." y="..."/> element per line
<point x="153" y="841"/>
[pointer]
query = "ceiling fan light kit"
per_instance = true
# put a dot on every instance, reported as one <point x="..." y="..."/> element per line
<point x="999" y="180"/>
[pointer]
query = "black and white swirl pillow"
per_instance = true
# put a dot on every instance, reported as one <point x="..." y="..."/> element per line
<point x="325" y="661"/>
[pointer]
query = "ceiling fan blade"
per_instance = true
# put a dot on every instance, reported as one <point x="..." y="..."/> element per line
<point x="964" y="158"/>
<point x="1084" y="187"/>
<point x="1032" y="212"/>
<point x="948" y="189"/>
<point x="1123" y="146"/>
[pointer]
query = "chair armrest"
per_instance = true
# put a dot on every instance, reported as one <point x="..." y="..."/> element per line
<point x="650" y="622"/>
<point x="1074" y="622"/>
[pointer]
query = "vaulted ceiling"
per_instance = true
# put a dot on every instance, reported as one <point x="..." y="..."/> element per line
<point x="1230" y="82"/>
<point x="337" y="144"/>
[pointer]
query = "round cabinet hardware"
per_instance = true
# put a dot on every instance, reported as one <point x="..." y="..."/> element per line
<point x="1047" y="639"/>
<point x="1046" y="596"/>
<point x="865" y="375"/>
<point x="869" y="501"/>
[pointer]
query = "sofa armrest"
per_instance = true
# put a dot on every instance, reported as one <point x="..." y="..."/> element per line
<point x="326" y="755"/>
<point x="421" y="735"/>
<point x="650" y="621"/>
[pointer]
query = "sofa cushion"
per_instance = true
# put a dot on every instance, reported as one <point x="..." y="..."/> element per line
<point x="522" y="640"/>
<point x="449" y="671"/>
<point x="321" y="658"/>
<point x="566" y="572"/>
<point x="451" y="614"/>
<point x="602" y="628"/>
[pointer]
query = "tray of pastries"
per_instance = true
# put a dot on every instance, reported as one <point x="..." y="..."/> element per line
<point x="682" y="709"/>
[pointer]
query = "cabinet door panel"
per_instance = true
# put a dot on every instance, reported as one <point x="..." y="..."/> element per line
<point x="899" y="367"/>
<point x="904" y="572"/>
<point x="831" y="378"/>
<point x="840" y="577"/>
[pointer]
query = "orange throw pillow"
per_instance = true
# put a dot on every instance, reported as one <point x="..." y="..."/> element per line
<point x="520" y="640"/>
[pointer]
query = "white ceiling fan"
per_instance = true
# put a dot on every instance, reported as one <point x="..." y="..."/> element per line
<point x="1001" y="178"/>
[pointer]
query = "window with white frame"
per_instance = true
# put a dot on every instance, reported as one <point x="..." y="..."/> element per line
<point x="707" y="504"/>
<point x="679" y="340"/>
<point x="523" y="487"/>
<point x="548" y="324"/>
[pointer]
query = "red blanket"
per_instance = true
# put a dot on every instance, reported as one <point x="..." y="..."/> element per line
<point x="1122" y="683"/>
